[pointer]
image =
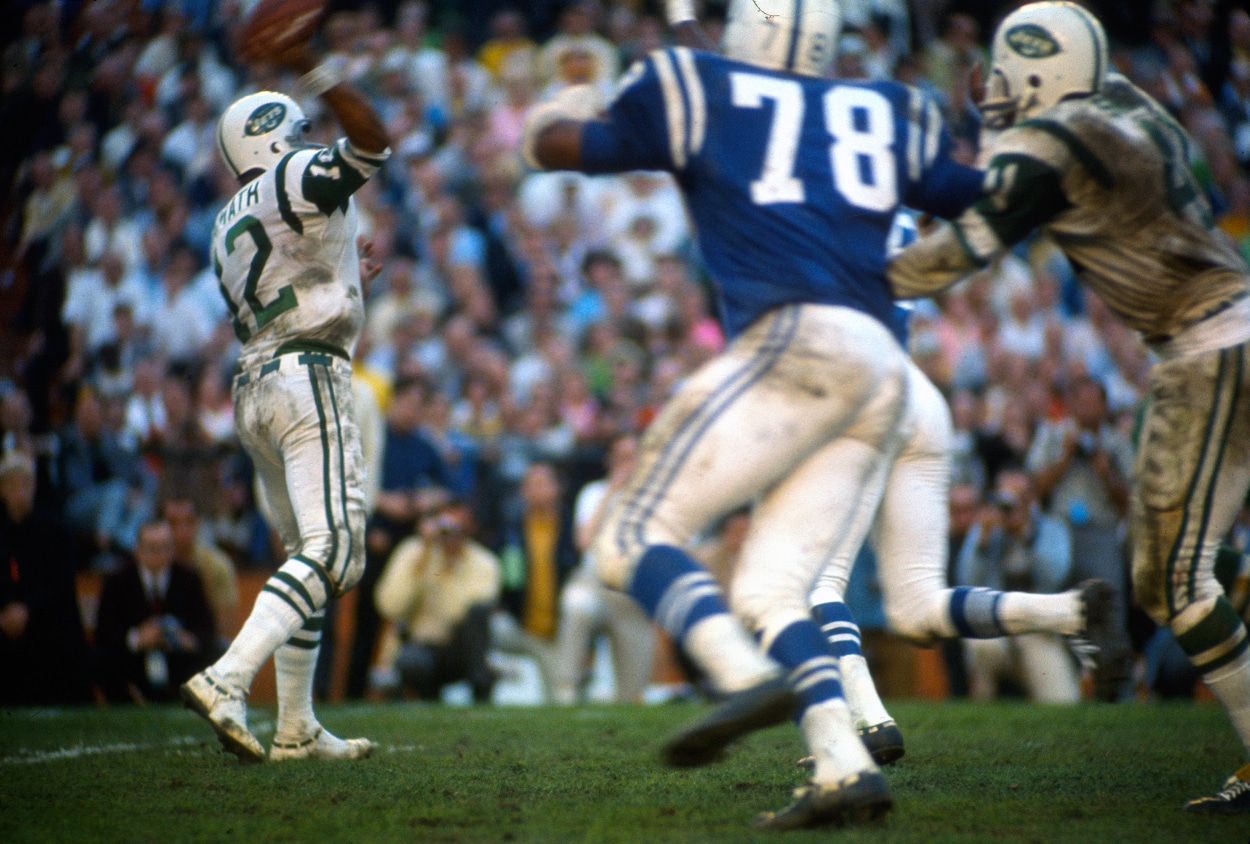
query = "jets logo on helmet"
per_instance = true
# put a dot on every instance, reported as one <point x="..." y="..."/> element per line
<point x="265" y="119"/>
<point x="256" y="131"/>
<point x="1031" y="41"/>
<point x="798" y="36"/>
<point x="1043" y="53"/>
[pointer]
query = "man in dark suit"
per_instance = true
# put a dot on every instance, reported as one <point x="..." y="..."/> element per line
<point x="43" y="655"/>
<point x="155" y="629"/>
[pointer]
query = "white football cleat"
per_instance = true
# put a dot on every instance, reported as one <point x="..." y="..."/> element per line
<point x="322" y="744"/>
<point x="225" y="709"/>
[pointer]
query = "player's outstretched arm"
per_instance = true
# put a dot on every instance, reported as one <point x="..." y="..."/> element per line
<point x="552" y="136"/>
<point x="361" y="124"/>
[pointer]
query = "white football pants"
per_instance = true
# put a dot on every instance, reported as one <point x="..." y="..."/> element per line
<point x="799" y="415"/>
<point x="910" y="533"/>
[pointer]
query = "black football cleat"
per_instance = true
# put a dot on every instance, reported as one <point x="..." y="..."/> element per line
<point x="755" y="708"/>
<point x="858" y="799"/>
<point x="1233" y="799"/>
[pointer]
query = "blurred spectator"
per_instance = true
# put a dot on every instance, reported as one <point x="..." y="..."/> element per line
<point x="42" y="650"/>
<point x="155" y="628"/>
<point x="413" y="474"/>
<point x="1082" y="465"/>
<point x="105" y="498"/>
<point x="215" y="569"/>
<point x="538" y="552"/>
<point x="1012" y="545"/>
<point x="437" y="593"/>
<point x="588" y="608"/>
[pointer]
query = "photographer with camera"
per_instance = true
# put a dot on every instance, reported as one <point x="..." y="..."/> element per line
<point x="1013" y="545"/>
<point x="1082" y="467"/>
<point x="436" y="594"/>
<point x="155" y="628"/>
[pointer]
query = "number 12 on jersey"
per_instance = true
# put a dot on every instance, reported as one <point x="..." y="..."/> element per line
<point x="860" y="123"/>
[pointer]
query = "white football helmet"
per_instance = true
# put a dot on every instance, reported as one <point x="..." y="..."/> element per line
<point x="257" y="130"/>
<point x="799" y="36"/>
<point x="1042" y="53"/>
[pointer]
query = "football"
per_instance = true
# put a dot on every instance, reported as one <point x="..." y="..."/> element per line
<point x="274" y="25"/>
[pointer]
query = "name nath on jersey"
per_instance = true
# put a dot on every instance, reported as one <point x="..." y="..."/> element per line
<point x="243" y="199"/>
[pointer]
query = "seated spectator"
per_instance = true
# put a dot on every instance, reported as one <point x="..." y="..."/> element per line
<point x="1015" y="546"/>
<point x="437" y="593"/>
<point x="155" y="628"/>
<point x="538" y="555"/>
<point x="216" y="571"/>
<point x="588" y="608"/>
<point x="42" y="650"/>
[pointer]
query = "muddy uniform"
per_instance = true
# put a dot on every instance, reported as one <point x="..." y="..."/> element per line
<point x="1107" y="178"/>
<point x="285" y="252"/>
<point x="793" y="183"/>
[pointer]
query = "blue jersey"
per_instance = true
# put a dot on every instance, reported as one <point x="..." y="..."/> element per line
<point x="792" y="181"/>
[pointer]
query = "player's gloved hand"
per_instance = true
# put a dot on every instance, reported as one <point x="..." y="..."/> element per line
<point x="576" y="102"/>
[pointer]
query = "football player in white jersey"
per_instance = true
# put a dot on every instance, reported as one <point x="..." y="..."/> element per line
<point x="285" y="251"/>
<point x="1104" y="171"/>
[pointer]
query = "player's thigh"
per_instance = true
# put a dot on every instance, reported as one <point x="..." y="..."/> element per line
<point x="796" y="379"/>
<point x="798" y="526"/>
<point x="1192" y="473"/>
<point x="260" y="424"/>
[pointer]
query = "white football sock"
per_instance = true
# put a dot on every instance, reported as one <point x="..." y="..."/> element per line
<point x="295" y="667"/>
<point x="867" y="710"/>
<point x="722" y="647"/>
<point x="833" y="742"/>
<point x="1231" y="686"/>
<point x="1025" y="612"/>
<point x="271" y="623"/>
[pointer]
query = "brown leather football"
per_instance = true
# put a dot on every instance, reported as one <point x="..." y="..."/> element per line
<point x="277" y="24"/>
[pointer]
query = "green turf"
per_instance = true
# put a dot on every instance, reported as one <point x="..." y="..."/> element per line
<point x="973" y="772"/>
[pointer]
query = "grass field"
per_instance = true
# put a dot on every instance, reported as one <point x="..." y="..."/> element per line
<point x="973" y="772"/>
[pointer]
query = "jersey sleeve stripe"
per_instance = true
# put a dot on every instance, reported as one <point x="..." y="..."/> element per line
<point x="698" y="102"/>
<point x="1083" y="154"/>
<point x="932" y="131"/>
<point x="284" y="200"/>
<point x="674" y="108"/>
<point x="366" y="164"/>
<point x="976" y="237"/>
<point x="915" y="115"/>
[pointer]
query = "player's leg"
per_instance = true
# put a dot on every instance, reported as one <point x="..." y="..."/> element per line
<point x="790" y="384"/>
<point x="911" y="545"/>
<point x="1047" y="668"/>
<point x="325" y="485"/>
<point x="632" y="639"/>
<point x="581" y="613"/>
<point x="876" y="728"/>
<point x="1192" y="477"/>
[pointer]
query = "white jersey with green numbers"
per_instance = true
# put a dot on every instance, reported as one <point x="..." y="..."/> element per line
<point x="284" y="250"/>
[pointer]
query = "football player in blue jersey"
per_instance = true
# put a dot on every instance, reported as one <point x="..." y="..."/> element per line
<point x="793" y="181"/>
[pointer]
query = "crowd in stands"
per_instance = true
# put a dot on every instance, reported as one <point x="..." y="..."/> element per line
<point x="523" y="322"/>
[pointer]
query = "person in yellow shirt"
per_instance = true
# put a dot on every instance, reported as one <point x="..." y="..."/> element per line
<point x="436" y="593"/>
<point x="538" y="553"/>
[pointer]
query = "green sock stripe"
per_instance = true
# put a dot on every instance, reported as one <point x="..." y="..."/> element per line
<point x="1219" y="625"/>
<point x="315" y="622"/>
<point x="303" y="644"/>
<point x="319" y="570"/>
<point x="297" y="588"/>
<point x="270" y="588"/>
